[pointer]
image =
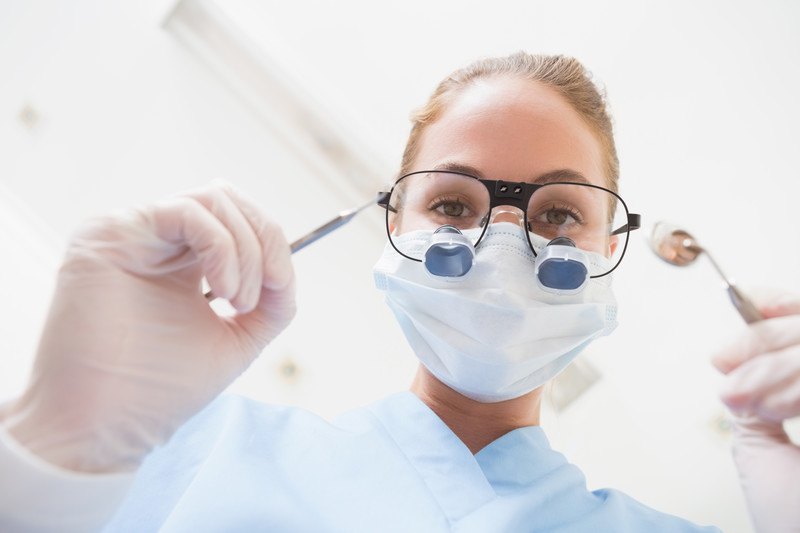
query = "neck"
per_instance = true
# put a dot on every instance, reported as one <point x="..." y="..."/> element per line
<point x="476" y="424"/>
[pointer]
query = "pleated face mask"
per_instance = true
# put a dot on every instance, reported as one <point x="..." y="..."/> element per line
<point x="496" y="334"/>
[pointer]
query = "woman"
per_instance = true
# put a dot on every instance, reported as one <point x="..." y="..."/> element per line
<point x="131" y="351"/>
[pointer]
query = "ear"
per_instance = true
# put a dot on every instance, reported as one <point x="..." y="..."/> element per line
<point x="613" y="242"/>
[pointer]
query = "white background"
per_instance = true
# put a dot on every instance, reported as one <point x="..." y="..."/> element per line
<point x="704" y="96"/>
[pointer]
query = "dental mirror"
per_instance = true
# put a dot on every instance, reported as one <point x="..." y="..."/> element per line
<point x="678" y="247"/>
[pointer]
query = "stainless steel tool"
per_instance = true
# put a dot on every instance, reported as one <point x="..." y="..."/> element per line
<point x="337" y="222"/>
<point x="332" y="225"/>
<point x="678" y="247"/>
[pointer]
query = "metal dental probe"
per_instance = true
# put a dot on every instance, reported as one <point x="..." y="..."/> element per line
<point x="332" y="225"/>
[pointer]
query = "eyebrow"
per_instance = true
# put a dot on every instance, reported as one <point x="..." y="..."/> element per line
<point x="459" y="167"/>
<point x="563" y="174"/>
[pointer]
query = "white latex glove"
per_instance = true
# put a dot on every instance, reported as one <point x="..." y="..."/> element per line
<point x="762" y="388"/>
<point x="131" y="348"/>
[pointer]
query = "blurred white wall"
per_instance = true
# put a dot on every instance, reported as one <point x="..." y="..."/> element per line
<point x="102" y="107"/>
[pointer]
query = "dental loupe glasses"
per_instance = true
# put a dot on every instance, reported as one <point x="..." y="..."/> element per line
<point x="562" y="221"/>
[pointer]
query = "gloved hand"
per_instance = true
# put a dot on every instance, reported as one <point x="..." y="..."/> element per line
<point x="762" y="388"/>
<point x="131" y="348"/>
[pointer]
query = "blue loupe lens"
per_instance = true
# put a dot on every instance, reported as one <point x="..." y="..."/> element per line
<point x="449" y="254"/>
<point x="561" y="266"/>
<point x="562" y="274"/>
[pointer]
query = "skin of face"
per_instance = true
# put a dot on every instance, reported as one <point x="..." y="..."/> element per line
<point x="506" y="129"/>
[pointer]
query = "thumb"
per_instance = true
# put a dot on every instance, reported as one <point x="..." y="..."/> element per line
<point x="774" y="302"/>
<point x="275" y="310"/>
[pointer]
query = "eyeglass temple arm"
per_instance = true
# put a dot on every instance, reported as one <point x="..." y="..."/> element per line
<point x="383" y="201"/>
<point x="634" y="222"/>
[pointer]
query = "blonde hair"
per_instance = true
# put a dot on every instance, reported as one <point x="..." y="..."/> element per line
<point x="564" y="74"/>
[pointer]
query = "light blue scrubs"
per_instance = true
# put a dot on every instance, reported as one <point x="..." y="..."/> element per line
<point x="393" y="466"/>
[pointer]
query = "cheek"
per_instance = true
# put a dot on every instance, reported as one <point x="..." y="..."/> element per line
<point x="407" y="221"/>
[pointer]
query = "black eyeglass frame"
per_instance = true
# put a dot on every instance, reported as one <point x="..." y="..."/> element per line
<point x="516" y="194"/>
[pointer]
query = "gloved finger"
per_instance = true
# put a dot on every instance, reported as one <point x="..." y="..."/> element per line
<point x="752" y="428"/>
<point x="760" y="337"/>
<point x="248" y="246"/>
<point x="183" y="221"/>
<point x="782" y="305"/>
<point x="277" y="306"/>
<point x="767" y="386"/>
<point x="774" y="302"/>
<point x="277" y="271"/>
<point x="781" y="404"/>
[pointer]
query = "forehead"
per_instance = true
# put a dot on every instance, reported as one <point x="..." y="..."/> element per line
<point x="511" y="129"/>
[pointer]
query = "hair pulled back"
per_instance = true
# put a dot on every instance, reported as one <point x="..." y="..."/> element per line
<point x="564" y="74"/>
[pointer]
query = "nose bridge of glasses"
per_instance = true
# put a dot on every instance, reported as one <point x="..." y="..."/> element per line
<point x="507" y="193"/>
<point x="507" y="213"/>
<point x="507" y="201"/>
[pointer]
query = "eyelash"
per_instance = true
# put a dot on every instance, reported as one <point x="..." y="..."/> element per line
<point x="442" y="200"/>
<point x="571" y="211"/>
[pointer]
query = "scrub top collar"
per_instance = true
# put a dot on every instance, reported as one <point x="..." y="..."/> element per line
<point x="460" y="481"/>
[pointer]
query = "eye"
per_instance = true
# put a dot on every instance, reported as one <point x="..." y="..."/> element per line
<point x="451" y="207"/>
<point x="557" y="216"/>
